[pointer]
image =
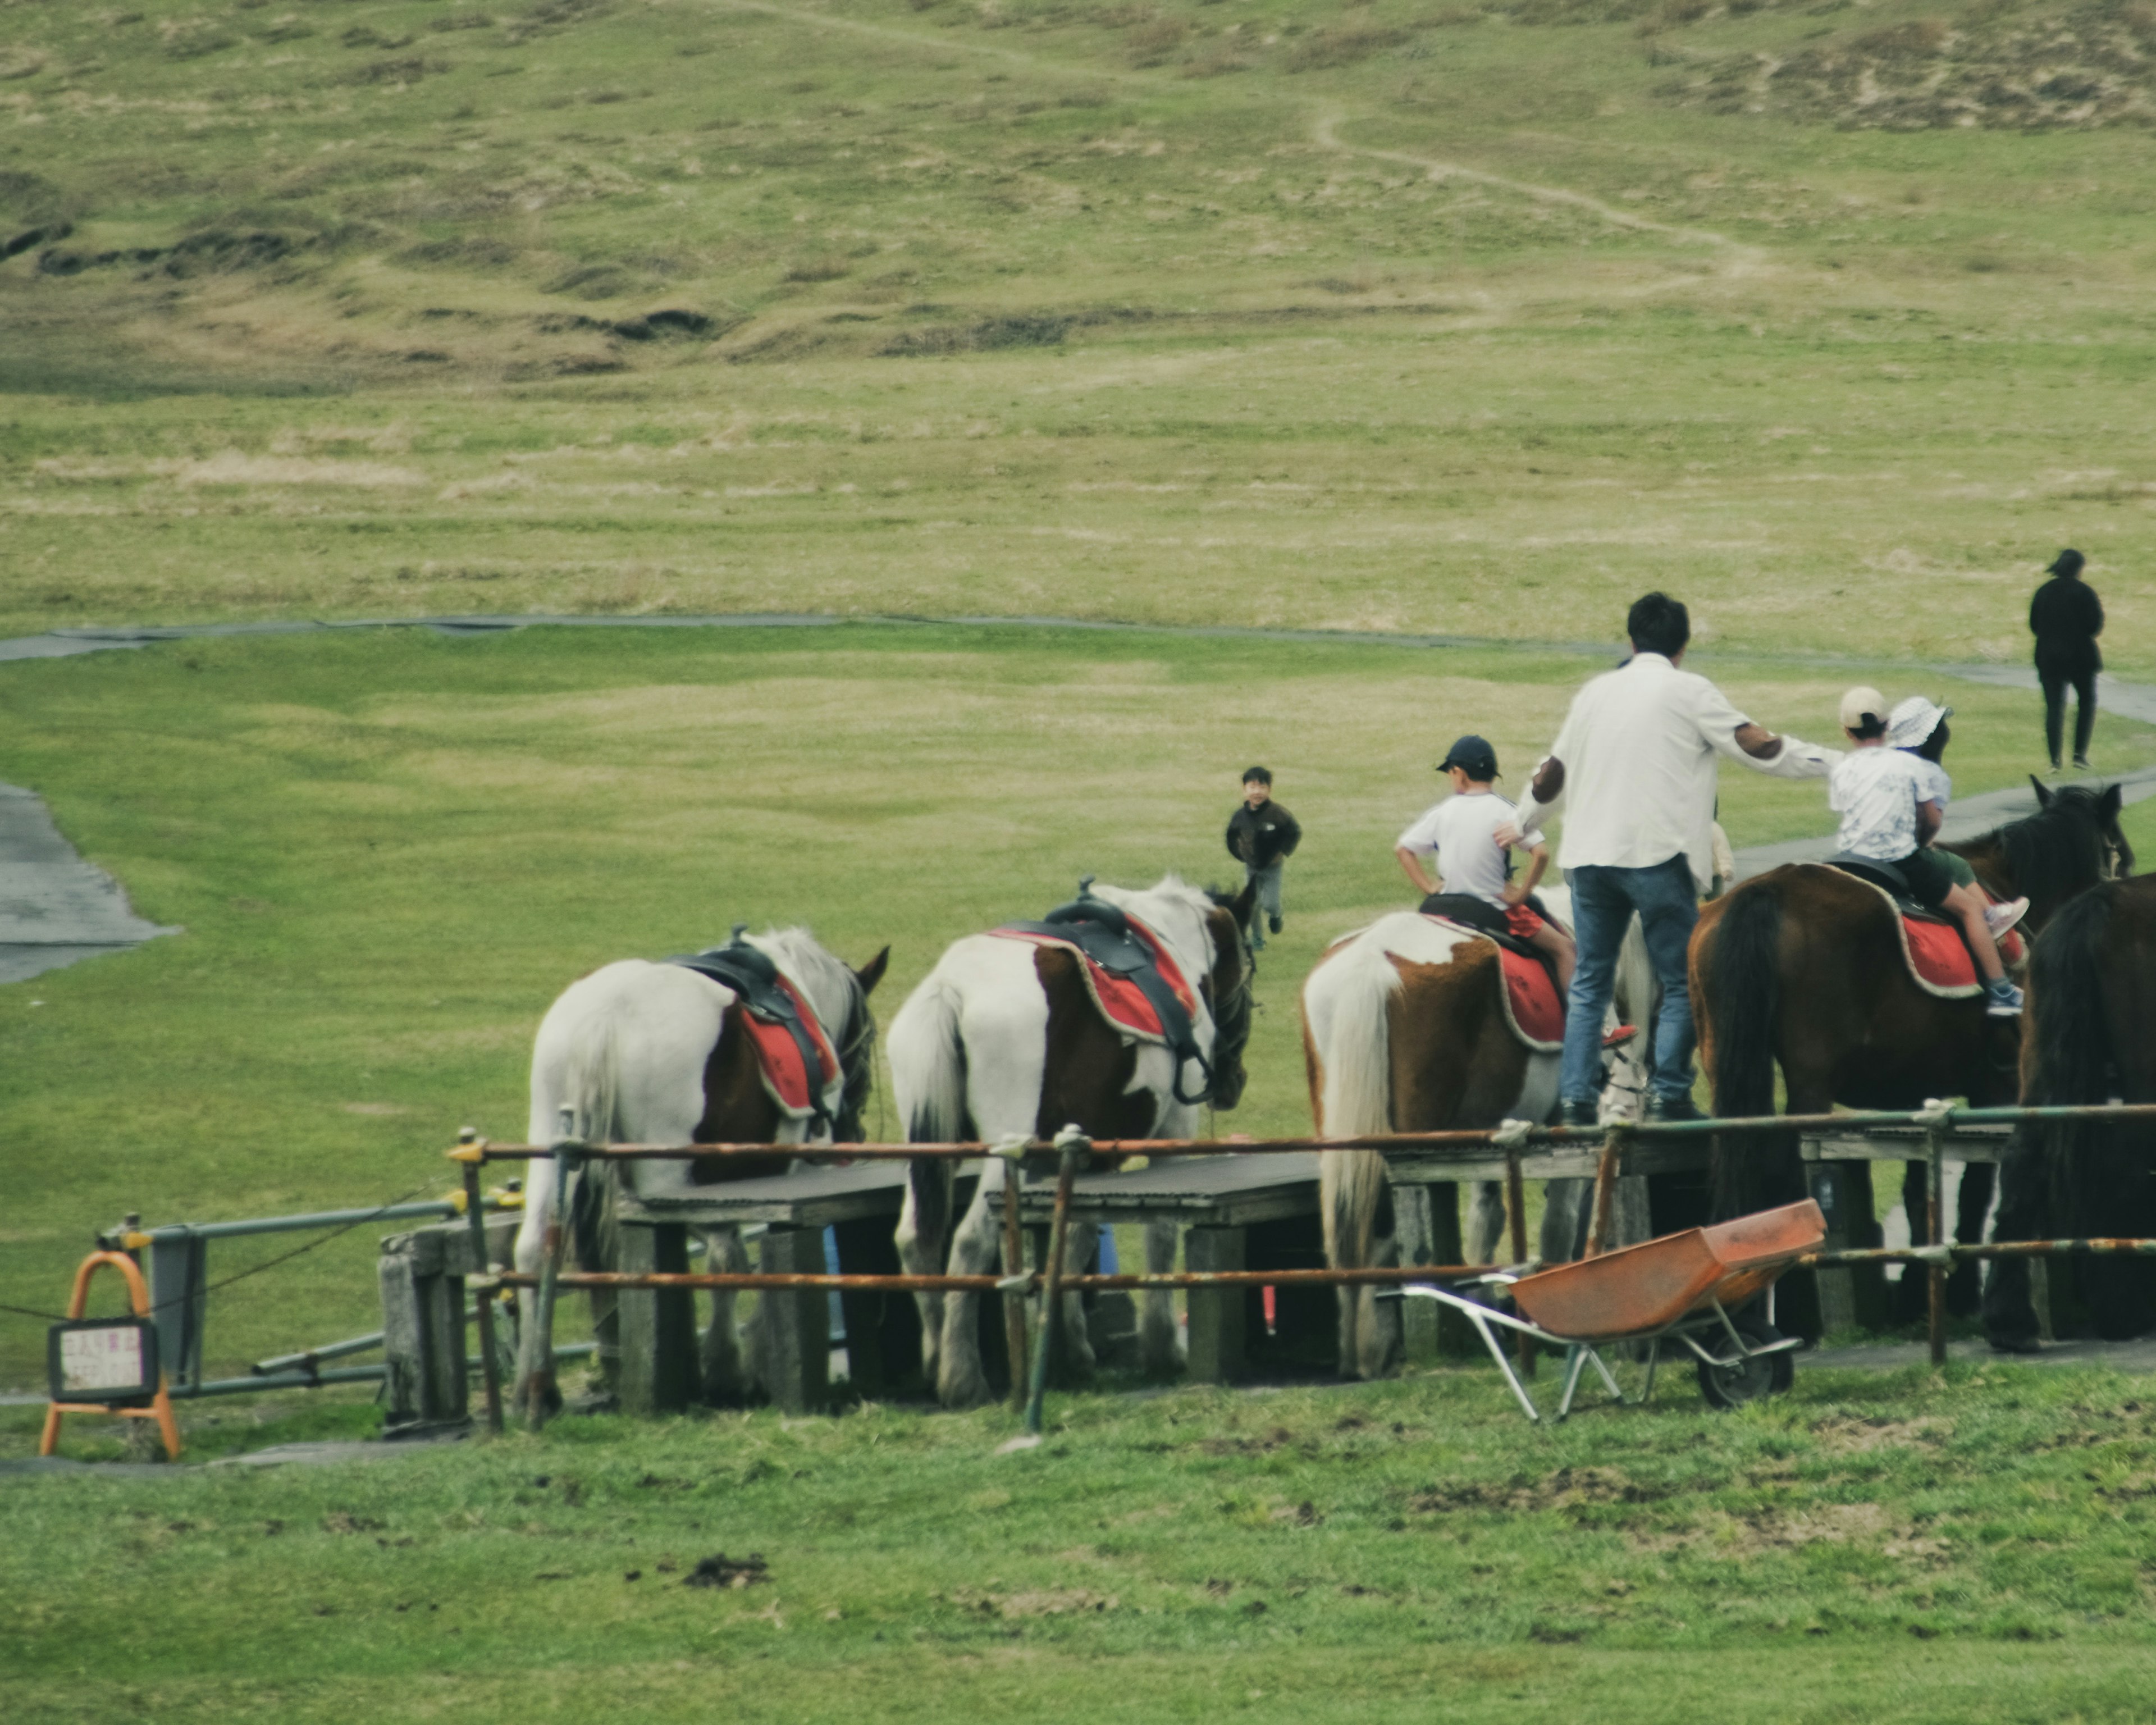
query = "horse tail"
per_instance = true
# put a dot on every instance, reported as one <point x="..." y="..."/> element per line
<point x="1354" y="1047"/>
<point x="1744" y="998"/>
<point x="2068" y="1058"/>
<point x="928" y="1065"/>
<point x="591" y="1092"/>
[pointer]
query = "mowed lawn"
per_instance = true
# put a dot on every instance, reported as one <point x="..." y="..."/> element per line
<point x="1970" y="1547"/>
<point x="390" y="850"/>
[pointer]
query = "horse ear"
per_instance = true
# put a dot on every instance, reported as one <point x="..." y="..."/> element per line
<point x="2111" y="803"/>
<point x="1245" y="903"/>
<point x="870" y="973"/>
<point x="2043" y="791"/>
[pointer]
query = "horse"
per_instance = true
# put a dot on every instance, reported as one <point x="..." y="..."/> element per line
<point x="656" y="1054"/>
<point x="2088" y="1034"/>
<point x="1001" y="1040"/>
<point x="1403" y="1031"/>
<point x="1802" y="968"/>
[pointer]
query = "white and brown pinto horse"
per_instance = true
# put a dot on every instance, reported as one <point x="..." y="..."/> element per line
<point x="1404" y="1030"/>
<point x="639" y="1053"/>
<point x="1001" y="1040"/>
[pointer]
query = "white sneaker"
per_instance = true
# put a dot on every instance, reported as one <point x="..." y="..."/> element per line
<point x="1998" y="918"/>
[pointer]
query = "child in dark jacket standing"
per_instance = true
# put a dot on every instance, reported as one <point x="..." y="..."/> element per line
<point x="1262" y="836"/>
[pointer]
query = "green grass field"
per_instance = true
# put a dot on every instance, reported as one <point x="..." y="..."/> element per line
<point x="1376" y="316"/>
<point x="1474" y="319"/>
<point x="390" y="851"/>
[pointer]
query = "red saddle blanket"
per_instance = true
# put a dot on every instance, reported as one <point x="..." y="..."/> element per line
<point x="1940" y="960"/>
<point x="1119" y="1000"/>
<point x="785" y="1070"/>
<point x="1528" y="992"/>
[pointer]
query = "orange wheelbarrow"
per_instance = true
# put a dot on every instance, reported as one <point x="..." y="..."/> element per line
<point x="1679" y="1289"/>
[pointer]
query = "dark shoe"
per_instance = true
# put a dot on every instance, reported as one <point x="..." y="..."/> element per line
<point x="1587" y="1114"/>
<point x="1661" y="1110"/>
<point x="1273" y="922"/>
<point x="2081" y="764"/>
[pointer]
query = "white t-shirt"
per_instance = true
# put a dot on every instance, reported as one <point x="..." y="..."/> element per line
<point x="1461" y="833"/>
<point x="1639" y="747"/>
<point x="1876" y="792"/>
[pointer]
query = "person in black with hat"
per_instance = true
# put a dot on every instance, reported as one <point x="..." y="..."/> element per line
<point x="2065" y="617"/>
<point x="1459" y="836"/>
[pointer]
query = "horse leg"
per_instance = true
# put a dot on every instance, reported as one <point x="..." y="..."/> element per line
<point x="923" y="1241"/>
<point x="531" y="1251"/>
<point x="961" y="1382"/>
<point x="1486" y="1222"/>
<point x="1972" y="1204"/>
<point x="2025" y="1213"/>
<point x="1567" y="1210"/>
<point x="728" y="1377"/>
<point x="1160" y="1341"/>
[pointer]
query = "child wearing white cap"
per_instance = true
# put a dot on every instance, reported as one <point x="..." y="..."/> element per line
<point x="1888" y="814"/>
<point x="1918" y="727"/>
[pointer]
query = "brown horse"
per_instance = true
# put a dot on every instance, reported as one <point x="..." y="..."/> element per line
<point x="1802" y="968"/>
<point x="1001" y="1040"/>
<point x="2088" y="1034"/>
<point x="655" y="1053"/>
<point x="1404" y="1030"/>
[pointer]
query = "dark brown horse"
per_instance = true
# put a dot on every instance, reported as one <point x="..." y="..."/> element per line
<point x="655" y="1053"/>
<point x="1802" y="968"/>
<point x="2088" y="1034"/>
<point x="1001" y="1040"/>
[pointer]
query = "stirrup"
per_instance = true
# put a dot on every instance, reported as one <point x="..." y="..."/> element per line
<point x="1620" y="1036"/>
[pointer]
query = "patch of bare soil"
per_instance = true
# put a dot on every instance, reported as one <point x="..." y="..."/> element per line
<point x="1044" y="1602"/>
<point x="1841" y="1436"/>
<point x="1568" y="1488"/>
<point x="2075" y="69"/>
<point x="1768" y="1530"/>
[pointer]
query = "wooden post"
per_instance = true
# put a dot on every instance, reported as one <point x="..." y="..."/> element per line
<point x="1853" y="1298"/>
<point x="1014" y="1300"/>
<point x="1074" y="1145"/>
<point x="796" y="1323"/>
<point x="482" y="1272"/>
<point x="1516" y="1203"/>
<point x="422" y="1326"/>
<point x="1217" y="1315"/>
<point x="658" y="1326"/>
<point x="1605" y="1190"/>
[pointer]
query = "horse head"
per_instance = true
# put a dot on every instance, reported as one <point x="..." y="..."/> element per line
<point x="1234" y="973"/>
<point x="857" y="1050"/>
<point x="2071" y="842"/>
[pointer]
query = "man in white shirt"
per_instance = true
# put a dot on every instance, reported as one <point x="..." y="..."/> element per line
<point x="1636" y="756"/>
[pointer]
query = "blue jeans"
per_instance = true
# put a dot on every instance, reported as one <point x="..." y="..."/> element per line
<point x="1603" y="901"/>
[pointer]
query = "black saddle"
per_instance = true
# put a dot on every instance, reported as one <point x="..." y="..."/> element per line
<point x="754" y="980"/>
<point x="1486" y="919"/>
<point x="1105" y="935"/>
<point x="1889" y="878"/>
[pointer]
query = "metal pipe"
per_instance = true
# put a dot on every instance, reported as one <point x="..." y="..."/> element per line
<point x="1515" y="1204"/>
<point x="895" y="1284"/>
<point x="1935" y="1268"/>
<point x="1072" y="1143"/>
<point x="302" y="1362"/>
<point x="1605" y="1190"/>
<point x="2003" y="1249"/>
<point x="1013" y="1298"/>
<point x="1578" y="1137"/>
<point x="338" y="1374"/>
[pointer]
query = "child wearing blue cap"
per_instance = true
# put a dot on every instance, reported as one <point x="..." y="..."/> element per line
<point x="1458" y="837"/>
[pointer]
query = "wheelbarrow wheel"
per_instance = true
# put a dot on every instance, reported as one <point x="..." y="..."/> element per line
<point x="1748" y="1380"/>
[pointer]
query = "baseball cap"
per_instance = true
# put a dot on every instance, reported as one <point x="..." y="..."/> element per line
<point x="2068" y="562"/>
<point x="1473" y="756"/>
<point x="1862" y="703"/>
<point x="1913" y="720"/>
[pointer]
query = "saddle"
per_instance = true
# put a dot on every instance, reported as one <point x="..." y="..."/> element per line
<point x="1136" y="985"/>
<point x="1933" y="945"/>
<point x="1527" y="990"/>
<point x="790" y="1045"/>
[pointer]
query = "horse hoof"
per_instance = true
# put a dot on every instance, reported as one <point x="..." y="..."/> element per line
<point x="2017" y="1344"/>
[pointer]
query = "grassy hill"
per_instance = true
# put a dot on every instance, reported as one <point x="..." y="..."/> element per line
<point x="1398" y="314"/>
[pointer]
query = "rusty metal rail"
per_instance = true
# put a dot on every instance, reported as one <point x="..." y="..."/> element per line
<point x="1936" y="1121"/>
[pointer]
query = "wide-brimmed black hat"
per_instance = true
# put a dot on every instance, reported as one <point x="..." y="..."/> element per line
<point x="2068" y="562"/>
<point x="1473" y="756"/>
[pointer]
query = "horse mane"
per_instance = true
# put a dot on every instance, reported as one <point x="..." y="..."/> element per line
<point x="801" y="955"/>
<point x="2055" y="853"/>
